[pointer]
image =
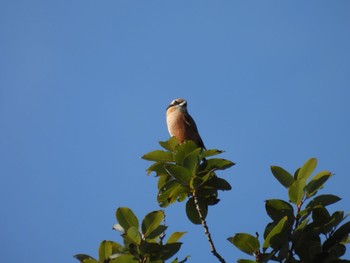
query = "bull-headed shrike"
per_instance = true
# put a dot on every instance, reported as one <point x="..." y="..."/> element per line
<point x="180" y="123"/>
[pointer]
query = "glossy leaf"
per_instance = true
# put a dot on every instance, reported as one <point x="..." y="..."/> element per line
<point x="275" y="231"/>
<point x="317" y="182"/>
<point x="212" y="152"/>
<point x="181" y="174"/>
<point x="217" y="164"/>
<point x="170" y="249"/>
<point x="158" y="168"/>
<point x="191" y="161"/>
<point x="277" y="209"/>
<point x="175" y="237"/>
<point x="192" y="212"/>
<point x="184" y="150"/>
<point x="338" y="236"/>
<point x="296" y="191"/>
<point x="246" y="261"/>
<point x="307" y="169"/>
<point x="151" y="222"/>
<point x="170" y="144"/>
<point x="323" y="200"/>
<point x="82" y="257"/>
<point x="159" y="156"/>
<point x="320" y="215"/>
<point x="245" y="242"/>
<point x="127" y="218"/>
<point x="134" y="235"/>
<point x="105" y="250"/>
<point x="283" y="176"/>
<point x="124" y="259"/>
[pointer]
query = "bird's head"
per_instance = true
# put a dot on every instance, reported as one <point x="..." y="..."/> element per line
<point x="180" y="104"/>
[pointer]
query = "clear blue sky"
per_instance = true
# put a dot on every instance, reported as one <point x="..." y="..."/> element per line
<point x="83" y="91"/>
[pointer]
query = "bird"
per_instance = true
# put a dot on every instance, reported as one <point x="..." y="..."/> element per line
<point x="180" y="123"/>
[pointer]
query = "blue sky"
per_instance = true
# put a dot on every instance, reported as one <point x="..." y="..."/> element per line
<point x="83" y="91"/>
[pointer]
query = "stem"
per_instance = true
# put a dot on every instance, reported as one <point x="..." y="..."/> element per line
<point x="206" y="229"/>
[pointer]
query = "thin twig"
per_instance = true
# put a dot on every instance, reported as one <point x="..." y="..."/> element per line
<point x="206" y="229"/>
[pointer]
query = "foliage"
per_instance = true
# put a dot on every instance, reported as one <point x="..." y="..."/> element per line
<point x="185" y="172"/>
<point x="298" y="233"/>
<point x="141" y="244"/>
<point x="302" y="229"/>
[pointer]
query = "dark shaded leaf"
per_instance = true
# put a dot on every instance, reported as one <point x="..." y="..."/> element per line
<point x="82" y="257"/>
<point x="307" y="169"/>
<point x="317" y="181"/>
<point x="192" y="212"/>
<point x="320" y="215"/>
<point x="126" y="218"/>
<point x="217" y="164"/>
<point x="157" y="232"/>
<point x="338" y="236"/>
<point x="323" y="200"/>
<point x="277" y="209"/>
<point x="170" y="249"/>
<point x="208" y="153"/>
<point x="283" y="176"/>
<point x="159" y="156"/>
<point x="307" y="246"/>
<point x="245" y="242"/>
<point x="246" y="261"/>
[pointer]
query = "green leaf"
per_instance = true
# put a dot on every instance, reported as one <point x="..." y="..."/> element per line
<point x="151" y="222"/>
<point x="275" y="231"/>
<point x="170" y="144"/>
<point x="307" y="169"/>
<point x="158" y="168"/>
<point x="184" y="150"/>
<point x="82" y="257"/>
<point x="157" y="232"/>
<point x="338" y="236"/>
<point x="124" y="259"/>
<point x="208" y="153"/>
<point x="323" y="200"/>
<point x="219" y="184"/>
<point x="246" y="261"/>
<point x="320" y="215"/>
<point x="277" y="209"/>
<point x="127" y="218"/>
<point x="308" y="245"/>
<point x="159" y="156"/>
<point x="192" y="212"/>
<point x="245" y="242"/>
<point x="181" y="174"/>
<point x="296" y="191"/>
<point x="317" y="182"/>
<point x="134" y="235"/>
<point x="171" y="192"/>
<point x="284" y="177"/>
<point x="170" y="249"/>
<point x="175" y="237"/>
<point x="105" y="250"/>
<point x="217" y="164"/>
<point x="191" y="161"/>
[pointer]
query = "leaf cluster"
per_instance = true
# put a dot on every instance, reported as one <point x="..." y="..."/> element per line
<point x="141" y="243"/>
<point x="298" y="233"/>
<point x="185" y="170"/>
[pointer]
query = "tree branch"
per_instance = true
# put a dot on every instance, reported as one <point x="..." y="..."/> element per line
<point x="206" y="229"/>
